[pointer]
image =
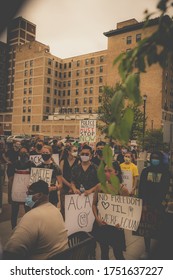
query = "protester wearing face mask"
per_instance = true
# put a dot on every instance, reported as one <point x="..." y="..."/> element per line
<point x="66" y="164"/>
<point x="41" y="232"/>
<point x="98" y="153"/>
<point x="21" y="168"/>
<point x="38" y="148"/>
<point x="56" y="179"/>
<point x="105" y="234"/>
<point x="84" y="175"/>
<point x="120" y="156"/>
<point x="153" y="187"/>
<point x="132" y="169"/>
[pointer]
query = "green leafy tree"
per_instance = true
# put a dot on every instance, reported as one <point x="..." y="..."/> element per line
<point x="154" y="139"/>
<point x="157" y="48"/>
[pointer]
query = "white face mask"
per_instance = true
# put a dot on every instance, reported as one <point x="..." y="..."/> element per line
<point x="85" y="158"/>
<point x="74" y="154"/>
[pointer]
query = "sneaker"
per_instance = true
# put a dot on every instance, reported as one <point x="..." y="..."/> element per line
<point x="144" y="256"/>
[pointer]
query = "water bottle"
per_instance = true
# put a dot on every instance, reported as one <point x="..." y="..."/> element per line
<point x="82" y="189"/>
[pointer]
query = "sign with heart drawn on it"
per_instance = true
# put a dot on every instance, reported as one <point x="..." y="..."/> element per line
<point x="105" y="204"/>
<point x="123" y="210"/>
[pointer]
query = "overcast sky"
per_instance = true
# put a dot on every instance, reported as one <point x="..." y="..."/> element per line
<point x="74" y="27"/>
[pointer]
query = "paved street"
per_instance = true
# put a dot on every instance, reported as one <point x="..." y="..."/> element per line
<point x="135" y="244"/>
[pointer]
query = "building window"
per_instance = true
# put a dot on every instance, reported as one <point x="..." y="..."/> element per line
<point x="91" y="80"/>
<point x="55" y="91"/>
<point x="54" y="101"/>
<point x="29" y="109"/>
<point x="47" y="99"/>
<point x="77" y="91"/>
<point x="92" y="70"/>
<point x="26" y="73"/>
<point x="30" y="81"/>
<point x="86" y="71"/>
<point x="26" y="64"/>
<point x="76" y="110"/>
<point x="65" y="74"/>
<point x="31" y="72"/>
<point x="78" y="63"/>
<point x="90" y="110"/>
<point x="49" y="71"/>
<point x="29" y="100"/>
<point x="90" y="100"/>
<point x="24" y="109"/>
<point x="48" y="80"/>
<point x="85" y="101"/>
<point x="28" y="118"/>
<point x="68" y="92"/>
<point x="69" y="65"/>
<point x="48" y="89"/>
<point x="77" y="73"/>
<point x="24" y="100"/>
<point x="76" y="101"/>
<point x="30" y="90"/>
<point x="138" y="37"/>
<point x="92" y="60"/>
<point x="85" y="110"/>
<point x="23" y="118"/>
<point x="100" y="89"/>
<point x="56" y="73"/>
<point x="101" y="58"/>
<point x="25" y="91"/>
<point x="56" y="64"/>
<point x="69" y="83"/>
<point x="129" y="40"/>
<point x="69" y="74"/>
<point x="65" y="65"/>
<point x="77" y="82"/>
<point x="86" y="81"/>
<point x="85" y="90"/>
<point x="99" y="99"/>
<point x="100" y="79"/>
<point x="49" y="61"/>
<point x="101" y="69"/>
<point x="63" y="93"/>
<point x="25" y="82"/>
<point x="91" y="89"/>
<point x="86" y="61"/>
<point x="31" y="63"/>
<point x="68" y="102"/>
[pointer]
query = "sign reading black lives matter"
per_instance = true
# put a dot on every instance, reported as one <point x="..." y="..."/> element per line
<point x="37" y="174"/>
<point x="123" y="210"/>
<point x="87" y="132"/>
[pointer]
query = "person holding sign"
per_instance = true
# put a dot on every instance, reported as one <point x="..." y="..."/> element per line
<point x="108" y="235"/>
<point x="129" y="173"/>
<point x="66" y="164"/>
<point x="21" y="175"/>
<point x="41" y="232"/>
<point x="56" y="180"/>
<point x="84" y="175"/>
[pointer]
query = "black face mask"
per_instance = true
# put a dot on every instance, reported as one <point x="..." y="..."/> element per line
<point x="24" y="158"/>
<point x="99" y="153"/>
<point x="39" y="147"/>
<point x="46" y="157"/>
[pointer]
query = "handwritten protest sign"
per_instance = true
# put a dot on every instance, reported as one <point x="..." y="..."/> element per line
<point x="20" y="184"/>
<point x="87" y="132"/>
<point x="127" y="179"/>
<point x="56" y="158"/>
<point x="78" y="213"/>
<point x="37" y="174"/>
<point x="36" y="159"/>
<point x="122" y="210"/>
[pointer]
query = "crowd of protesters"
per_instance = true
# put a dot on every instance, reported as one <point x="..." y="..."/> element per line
<point x="75" y="173"/>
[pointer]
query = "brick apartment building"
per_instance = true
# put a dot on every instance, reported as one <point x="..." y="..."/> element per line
<point x="51" y="94"/>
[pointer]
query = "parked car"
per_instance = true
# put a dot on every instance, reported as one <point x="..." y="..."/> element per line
<point x="12" y="138"/>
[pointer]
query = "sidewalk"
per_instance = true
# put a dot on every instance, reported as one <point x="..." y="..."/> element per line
<point x="135" y="244"/>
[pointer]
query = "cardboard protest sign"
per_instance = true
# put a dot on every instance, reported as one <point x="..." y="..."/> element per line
<point x="150" y="222"/>
<point x="37" y="174"/>
<point x="122" y="210"/>
<point x="56" y="158"/>
<point x="127" y="179"/>
<point x="87" y="131"/>
<point x="36" y="159"/>
<point x="20" y="184"/>
<point x="78" y="213"/>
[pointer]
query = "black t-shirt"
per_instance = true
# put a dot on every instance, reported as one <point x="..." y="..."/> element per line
<point x="87" y="178"/>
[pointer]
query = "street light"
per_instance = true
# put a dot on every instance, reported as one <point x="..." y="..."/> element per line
<point x="144" y="119"/>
